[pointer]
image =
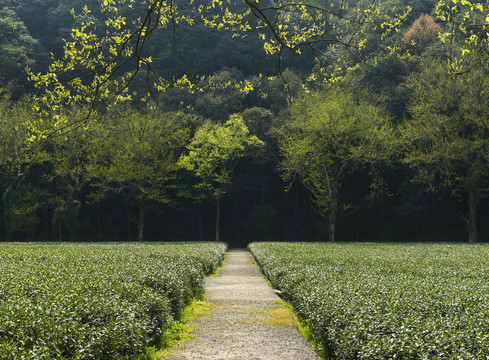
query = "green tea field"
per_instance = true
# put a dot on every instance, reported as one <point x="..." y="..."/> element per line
<point x="381" y="301"/>
<point x="96" y="301"/>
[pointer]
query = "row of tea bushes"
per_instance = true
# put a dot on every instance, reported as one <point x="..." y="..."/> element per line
<point x="96" y="301"/>
<point x="381" y="301"/>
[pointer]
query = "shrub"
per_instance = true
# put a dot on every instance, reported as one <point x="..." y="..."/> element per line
<point x="366" y="301"/>
<point x="96" y="301"/>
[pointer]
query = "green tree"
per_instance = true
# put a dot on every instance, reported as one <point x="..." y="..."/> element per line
<point x="18" y="152"/>
<point x="220" y="97"/>
<point x="17" y="46"/>
<point x="138" y="153"/>
<point x="323" y="137"/>
<point x="212" y="156"/>
<point x="448" y="135"/>
<point x="69" y="155"/>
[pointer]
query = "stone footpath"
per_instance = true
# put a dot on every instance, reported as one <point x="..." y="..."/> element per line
<point x="244" y="319"/>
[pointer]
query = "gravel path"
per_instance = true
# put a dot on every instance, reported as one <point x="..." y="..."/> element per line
<point x="244" y="319"/>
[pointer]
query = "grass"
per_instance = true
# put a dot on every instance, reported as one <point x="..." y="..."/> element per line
<point x="281" y="315"/>
<point x="216" y="272"/>
<point x="182" y="331"/>
<point x="305" y="329"/>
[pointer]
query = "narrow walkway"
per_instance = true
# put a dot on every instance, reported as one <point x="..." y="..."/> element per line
<point x="244" y="319"/>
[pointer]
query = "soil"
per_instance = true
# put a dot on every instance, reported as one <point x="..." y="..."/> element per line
<point x="243" y="319"/>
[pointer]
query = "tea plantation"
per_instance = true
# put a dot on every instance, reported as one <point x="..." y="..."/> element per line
<point x="96" y="301"/>
<point x="380" y="301"/>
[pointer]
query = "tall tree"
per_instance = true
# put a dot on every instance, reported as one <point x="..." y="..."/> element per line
<point x="323" y="137"/>
<point x="69" y="159"/>
<point x="212" y="156"/>
<point x="448" y="135"/>
<point x="138" y="153"/>
<point x="19" y="151"/>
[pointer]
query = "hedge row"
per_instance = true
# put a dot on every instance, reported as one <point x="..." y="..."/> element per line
<point x="380" y="301"/>
<point x="96" y="301"/>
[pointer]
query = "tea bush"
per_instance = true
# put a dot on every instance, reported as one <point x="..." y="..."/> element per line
<point x="96" y="301"/>
<point x="380" y="301"/>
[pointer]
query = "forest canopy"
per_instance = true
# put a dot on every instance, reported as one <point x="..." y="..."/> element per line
<point x="106" y="104"/>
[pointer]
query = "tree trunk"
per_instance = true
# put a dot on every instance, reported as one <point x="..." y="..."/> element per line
<point x="8" y="199"/>
<point x="129" y="230"/>
<point x="200" y="228"/>
<point x="46" y="222"/>
<point x="60" y="231"/>
<point x="142" y="203"/>
<point x="472" y="219"/>
<point x="332" y="223"/>
<point x="71" y="225"/>
<point x="333" y="213"/>
<point x="99" y="220"/>
<point x="218" y="219"/>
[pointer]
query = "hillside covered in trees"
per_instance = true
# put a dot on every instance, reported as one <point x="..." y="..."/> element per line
<point x="381" y="139"/>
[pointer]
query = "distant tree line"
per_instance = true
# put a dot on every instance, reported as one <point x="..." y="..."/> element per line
<point x="395" y="149"/>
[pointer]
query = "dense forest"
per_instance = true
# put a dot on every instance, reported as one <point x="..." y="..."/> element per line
<point x="395" y="148"/>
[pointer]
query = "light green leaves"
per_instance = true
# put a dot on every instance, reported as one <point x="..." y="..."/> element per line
<point x="136" y="152"/>
<point x="94" y="66"/>
<point x="324" y="136"/>
<point x="466" y="25"/>
<point x="214" y="152"/>
<point x="103" y="57"/>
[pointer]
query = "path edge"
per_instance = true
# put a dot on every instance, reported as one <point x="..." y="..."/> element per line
<point x="301" y="323"/>
<point x="183" y="330"/>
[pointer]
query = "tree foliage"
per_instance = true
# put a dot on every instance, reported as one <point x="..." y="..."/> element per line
<point x="69" y="158"/>
<point x="116" y="49"/>
<point x="136" y="152"/>
<point x="323" y="138"/>
<point x="448" y="135"/>
<point x="466" y="24"/>
<point x="18" y="154"/>
<point x="104" y="56"/>
<point x="17" y="46"/>
<point x="422" y="33"/>
<point x="213" y="155"/>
